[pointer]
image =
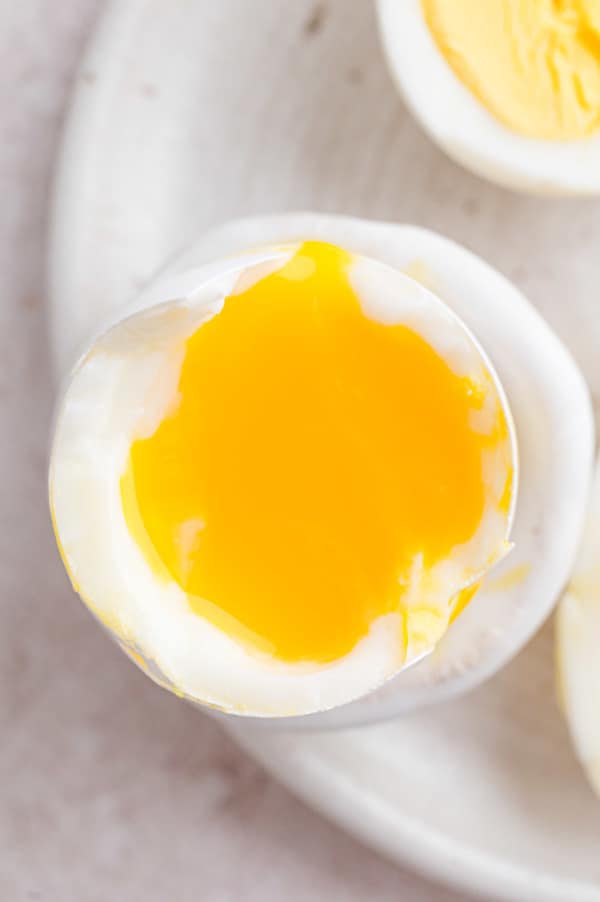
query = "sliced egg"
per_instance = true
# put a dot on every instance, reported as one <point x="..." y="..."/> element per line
<point x="578" y="646"/>
<point x="282" y="488"/>
<point x="509" y="89"/>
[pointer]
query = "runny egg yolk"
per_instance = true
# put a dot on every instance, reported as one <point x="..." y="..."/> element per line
<point x="535" y="64"/>
<point x="312" y="455"/>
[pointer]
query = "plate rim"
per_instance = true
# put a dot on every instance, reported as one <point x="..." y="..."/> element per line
<point x="434" y="856"/>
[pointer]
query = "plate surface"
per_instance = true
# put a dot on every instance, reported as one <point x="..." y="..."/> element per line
<point x="483" y="793"/>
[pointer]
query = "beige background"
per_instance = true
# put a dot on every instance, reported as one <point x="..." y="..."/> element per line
<point x="109" y="789"/>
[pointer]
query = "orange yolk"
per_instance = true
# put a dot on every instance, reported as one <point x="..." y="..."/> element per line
<point x="312" y="454"/>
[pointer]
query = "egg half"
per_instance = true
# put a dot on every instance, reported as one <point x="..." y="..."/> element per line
<point x="578" y="644"/>
<point x="509" y="89"/>
<point x="279" y="482"/>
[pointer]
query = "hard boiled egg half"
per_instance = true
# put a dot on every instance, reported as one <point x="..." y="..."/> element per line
<point x="282" y="477"/>
<point x="508" y="88"/>
<point x="578" y="644"/>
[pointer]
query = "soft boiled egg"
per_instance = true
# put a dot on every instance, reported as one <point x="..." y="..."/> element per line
<point x="281" y="478"/>
<point x="509" y="89"/>
<point x="281" y="488"/>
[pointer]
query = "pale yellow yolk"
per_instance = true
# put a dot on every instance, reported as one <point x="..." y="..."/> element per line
<point x="312" y="455"/>
<point x="535" y="64"/>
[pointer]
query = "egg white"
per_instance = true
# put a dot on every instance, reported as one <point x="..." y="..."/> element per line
<point x="578" y="645"/>
<point x="462" y="126"/>
<point x="106" y="405"/>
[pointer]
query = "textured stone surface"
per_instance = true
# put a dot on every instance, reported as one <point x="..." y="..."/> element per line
<point x="109" y="789"/>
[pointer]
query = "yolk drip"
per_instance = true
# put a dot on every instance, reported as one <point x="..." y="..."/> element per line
<point x="535" y="64"/>
<point x="312" y="455"/>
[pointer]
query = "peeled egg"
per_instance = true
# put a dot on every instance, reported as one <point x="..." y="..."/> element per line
<point x="578" y="645"/>
<point x="510" y="90"/>
<point x="282" y="488"/>
<point x="281" y="478"/>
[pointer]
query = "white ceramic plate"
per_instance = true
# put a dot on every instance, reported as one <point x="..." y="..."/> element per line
<point x="484" y="792"/>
